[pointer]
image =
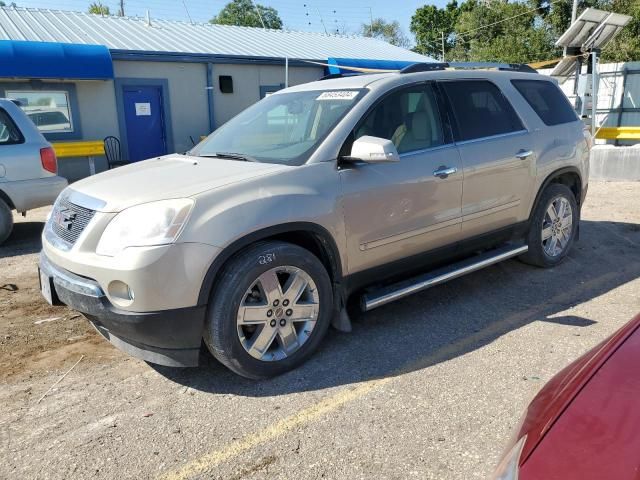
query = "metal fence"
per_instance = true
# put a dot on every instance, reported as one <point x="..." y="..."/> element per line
<point x="618" y="102"/>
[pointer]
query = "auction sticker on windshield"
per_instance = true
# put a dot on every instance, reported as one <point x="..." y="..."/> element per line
<point x="338" y="95"/>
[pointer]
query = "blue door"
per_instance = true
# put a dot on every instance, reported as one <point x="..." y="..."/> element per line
<point x="144" y="119"/>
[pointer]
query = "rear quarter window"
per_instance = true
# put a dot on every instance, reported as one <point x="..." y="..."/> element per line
<point x="547" y="100"/>
<point x="9" y="132"/>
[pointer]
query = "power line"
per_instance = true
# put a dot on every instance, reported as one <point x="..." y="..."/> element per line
<point x="463" y="34"/>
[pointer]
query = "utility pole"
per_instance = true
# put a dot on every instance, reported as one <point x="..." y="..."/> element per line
<point x="371" y="24"/>
<point x="121" y="13"/>
<point x="574" y="11"/>
<point x="442" y="36"/>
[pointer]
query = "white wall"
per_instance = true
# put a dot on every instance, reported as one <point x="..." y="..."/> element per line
<point x="611" y="95"/>
<point x="247" y="80"/>
<point x="187" y="95"/>
<point x="97" y="105"/>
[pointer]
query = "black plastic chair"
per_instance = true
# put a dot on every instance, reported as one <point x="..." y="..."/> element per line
<point x="113" y="153"/>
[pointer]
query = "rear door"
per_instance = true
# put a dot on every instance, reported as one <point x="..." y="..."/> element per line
<point x="497" y="153"/>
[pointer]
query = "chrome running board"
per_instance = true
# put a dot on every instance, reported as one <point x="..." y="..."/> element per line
<point x="376" y="298"/>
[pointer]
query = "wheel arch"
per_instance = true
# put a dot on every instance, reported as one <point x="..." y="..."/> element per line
<point x="569" y="176"/>
<point x="7" y="199"/>
<point x="307" y="235"/>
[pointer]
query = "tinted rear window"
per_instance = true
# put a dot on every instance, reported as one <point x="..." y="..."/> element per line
<point x="547" y="100"/>
<point x="480" y="109"/>
<point x="9" y="133"/>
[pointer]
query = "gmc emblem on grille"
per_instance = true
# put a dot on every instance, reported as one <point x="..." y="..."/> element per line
<point x="64" y="218"/>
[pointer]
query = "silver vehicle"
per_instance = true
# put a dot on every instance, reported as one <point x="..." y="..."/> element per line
<point x="28" y="167"/>
<point x="376" y="185"/>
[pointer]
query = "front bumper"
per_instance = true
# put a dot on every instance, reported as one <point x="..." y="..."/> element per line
<point x="166" y="337"/>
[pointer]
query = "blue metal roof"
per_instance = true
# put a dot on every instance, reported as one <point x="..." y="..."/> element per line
<point x="127" y="34"/>
<point x="22" y="59"/>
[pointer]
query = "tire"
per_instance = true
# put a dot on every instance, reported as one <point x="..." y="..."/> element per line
<point x="542" y="252"/>
<point x="250" y="326"/>
<point x="6" y="221"/>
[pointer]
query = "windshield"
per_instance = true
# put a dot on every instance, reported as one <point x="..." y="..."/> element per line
<point x="283" y="128"/>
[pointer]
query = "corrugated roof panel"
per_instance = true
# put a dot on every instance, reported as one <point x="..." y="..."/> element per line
<point x="133" y="33"/>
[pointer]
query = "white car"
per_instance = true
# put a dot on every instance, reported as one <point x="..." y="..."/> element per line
<point x="28" y="167"/>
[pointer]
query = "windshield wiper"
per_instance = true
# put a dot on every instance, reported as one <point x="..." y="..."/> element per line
<point x="232" y="156"/>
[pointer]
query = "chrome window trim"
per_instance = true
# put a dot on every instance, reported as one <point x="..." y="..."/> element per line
<point x="524" y="124"/>
<point x="427" y="150"/>
<point x="493" y="137"/>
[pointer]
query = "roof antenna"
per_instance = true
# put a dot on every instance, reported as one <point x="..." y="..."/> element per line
<point x="259" y="14"/>
<point x="322" y="22"/>
<point x="184" y="3"/>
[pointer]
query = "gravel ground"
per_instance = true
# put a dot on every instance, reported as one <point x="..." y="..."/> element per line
<point x="428" y="387"/>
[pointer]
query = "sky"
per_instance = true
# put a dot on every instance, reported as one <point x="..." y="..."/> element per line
<point x="296" y="14"/>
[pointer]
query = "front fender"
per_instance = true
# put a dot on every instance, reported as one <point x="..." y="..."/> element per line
<point x="304" y="198"/>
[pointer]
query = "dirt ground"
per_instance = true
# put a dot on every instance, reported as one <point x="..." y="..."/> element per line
<point x="117" y="416"/>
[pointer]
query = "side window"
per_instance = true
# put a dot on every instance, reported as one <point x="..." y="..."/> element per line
<point x="547" y="100"/>
<point x="50" y="110"/>
<point x="409" y="118"/>
<point x="480" y="109"/>
<point x="9" y="133"/>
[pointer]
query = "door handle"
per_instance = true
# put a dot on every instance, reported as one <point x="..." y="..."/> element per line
<point x="444" y="172"/>
<point x="524" y="154"/>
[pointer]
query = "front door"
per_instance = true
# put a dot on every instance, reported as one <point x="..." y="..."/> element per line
<point x="395" y="210"/>
<point x="144" y="119"/>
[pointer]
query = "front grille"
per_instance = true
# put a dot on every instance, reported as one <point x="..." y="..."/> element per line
<point x="69" y="220"/>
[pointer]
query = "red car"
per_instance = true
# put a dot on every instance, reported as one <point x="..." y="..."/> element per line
<point x="585" y="423"/>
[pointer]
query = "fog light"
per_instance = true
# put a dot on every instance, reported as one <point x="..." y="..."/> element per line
<point x="120" y="292"/>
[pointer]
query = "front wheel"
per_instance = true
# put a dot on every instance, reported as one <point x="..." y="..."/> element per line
<point x="269" y="311"/>
<point x="553" y="227"/>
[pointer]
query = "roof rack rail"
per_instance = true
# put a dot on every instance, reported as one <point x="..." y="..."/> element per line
<point x="424" y="67"/>
<point x="433" y="66"/>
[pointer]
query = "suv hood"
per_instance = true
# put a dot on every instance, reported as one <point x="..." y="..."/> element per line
<point x="171" y="176"/>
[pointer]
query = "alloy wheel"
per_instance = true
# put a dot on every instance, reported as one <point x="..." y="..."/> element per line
<point x="278" y="313"/>
<point x="557" y="227"/>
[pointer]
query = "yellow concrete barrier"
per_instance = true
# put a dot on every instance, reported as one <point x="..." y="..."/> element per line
<point x="618" y="133"/>
<point x="79" y="149"/>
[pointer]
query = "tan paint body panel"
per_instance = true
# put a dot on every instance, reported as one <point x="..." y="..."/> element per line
<point x="375" y="213"/>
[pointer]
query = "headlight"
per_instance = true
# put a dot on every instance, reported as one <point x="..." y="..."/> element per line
<point x="155" y="223"/>
<point x="509" y="466"/>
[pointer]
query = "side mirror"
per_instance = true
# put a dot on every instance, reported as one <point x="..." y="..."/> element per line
<point x="374" y="150"/>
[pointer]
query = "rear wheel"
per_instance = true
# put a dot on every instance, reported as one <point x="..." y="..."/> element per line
<point x="6" y="221"/>
<point x="269" y="311"/>
<point x="553" y="227"/>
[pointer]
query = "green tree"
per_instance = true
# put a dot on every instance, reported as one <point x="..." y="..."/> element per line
<point x="99" y="9"/>
<point x="12" y="4"/>
<point x="518" y="31"/>
<point x="625" y="47"/>
<point x="502" y="32"/>
<point x="431" y="25"/>
<point x="388" y="31"/>
<point x="248" y="14"/>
